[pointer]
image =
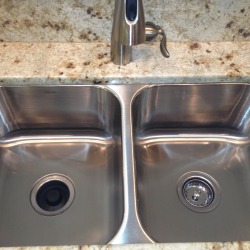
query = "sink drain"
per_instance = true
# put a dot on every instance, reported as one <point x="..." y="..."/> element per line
<point x="198" y="191"/>
<point x="52" y="194"/>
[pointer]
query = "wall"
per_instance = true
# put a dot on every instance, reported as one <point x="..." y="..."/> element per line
<point x="91" y="20"/>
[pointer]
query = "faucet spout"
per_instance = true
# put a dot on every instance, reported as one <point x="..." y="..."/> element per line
<point x="128" y="30"/>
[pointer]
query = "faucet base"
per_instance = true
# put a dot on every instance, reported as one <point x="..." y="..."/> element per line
<point x="121" y="54"/>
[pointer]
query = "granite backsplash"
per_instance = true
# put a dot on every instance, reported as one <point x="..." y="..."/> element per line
<point x="91" y="20"/>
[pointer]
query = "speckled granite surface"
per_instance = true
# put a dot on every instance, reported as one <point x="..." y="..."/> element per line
<point x="91" y="20"/>
<point x="79" y="63"/>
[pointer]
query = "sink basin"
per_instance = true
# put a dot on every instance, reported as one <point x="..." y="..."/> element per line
<point x="185" y="137"/>
<point x="123" y="164"/>
<point x="59" y="146"/>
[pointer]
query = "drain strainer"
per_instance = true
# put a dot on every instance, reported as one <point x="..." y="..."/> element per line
<point x="198" y="191"/>
<point x="52" y="194"/>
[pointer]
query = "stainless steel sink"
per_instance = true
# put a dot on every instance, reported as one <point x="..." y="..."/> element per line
<point x="186" y="135"/>
<point x="74" y="132"/>
<point x="124" y="164"/>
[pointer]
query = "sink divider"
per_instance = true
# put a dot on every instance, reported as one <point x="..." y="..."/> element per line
<point x="131" y="230"/>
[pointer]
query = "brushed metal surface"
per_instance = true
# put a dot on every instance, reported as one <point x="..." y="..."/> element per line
<point x="129" y="30"/>
<point x="74" y="131"/>
<point x="180" y="129"/>
<point x="124" y="147"/>
<point x="126" y="33"/>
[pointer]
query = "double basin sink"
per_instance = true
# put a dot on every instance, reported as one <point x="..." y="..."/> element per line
<point x="124" y="164"/>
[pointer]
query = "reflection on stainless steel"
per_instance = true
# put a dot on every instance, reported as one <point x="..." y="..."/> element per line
<point x="194" y="107"/>
<point x="126" y="31"/>
<point x="52" y="194"/>
<point x="193" y="128"/>
<point x="53" y="138"/>
<point x="72" y="131"/>
<point x="124" y="148"/>
<point x="129" y="29"/>
<point x="152" y="31"/>
<point x="198" y="191"/>
<point x="155" y="137"/>
<point x="131" y="230"/>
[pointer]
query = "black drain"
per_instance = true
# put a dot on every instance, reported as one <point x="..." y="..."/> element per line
<point x="52" y="194"/>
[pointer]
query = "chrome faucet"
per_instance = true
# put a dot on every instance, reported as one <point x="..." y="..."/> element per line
<point x="129" y="28"/>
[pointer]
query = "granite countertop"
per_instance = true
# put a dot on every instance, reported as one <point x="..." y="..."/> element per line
<point x="89" y="63"/>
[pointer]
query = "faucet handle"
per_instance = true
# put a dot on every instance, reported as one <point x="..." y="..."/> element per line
<point x="152" y="31"/>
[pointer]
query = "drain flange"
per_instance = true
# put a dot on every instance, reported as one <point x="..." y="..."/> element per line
<point x="52" y="194"/>
<point x="198" y="191"/>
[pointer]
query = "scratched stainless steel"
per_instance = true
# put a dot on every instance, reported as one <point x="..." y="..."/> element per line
<point x="124" y="148"/>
